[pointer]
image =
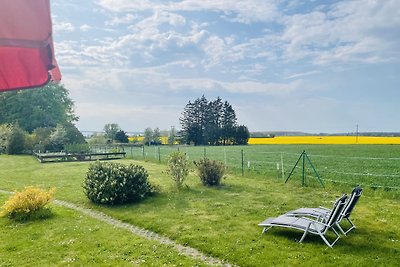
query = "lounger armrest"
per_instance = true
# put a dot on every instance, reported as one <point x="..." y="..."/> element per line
<point x="314" y="221"/>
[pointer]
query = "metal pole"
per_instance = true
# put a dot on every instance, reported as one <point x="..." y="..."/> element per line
<point x="205" y="152"/>
<point x="303" y="179"/>
<point x="312" y="166"/>
<point x="283" y="171"/>
<point x="242" y="163"/>
<point x="357" y="133"/>
<point x="294" y="167"/>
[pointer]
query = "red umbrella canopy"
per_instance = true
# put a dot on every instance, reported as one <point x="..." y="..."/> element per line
<point x="26" y="45"/>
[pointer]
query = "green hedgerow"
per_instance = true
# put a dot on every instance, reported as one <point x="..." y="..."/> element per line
<point x="210" y="171"/>
<point x="115" y="183"/>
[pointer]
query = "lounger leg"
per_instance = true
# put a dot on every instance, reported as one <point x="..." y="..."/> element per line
<point x="326" y="240"/>
<point x="305" y="233"/>
<point x="337" y="236"/>
<point x="340" y="229"/>
<point x="352" y="225"/>
<point x="266" y="229"/>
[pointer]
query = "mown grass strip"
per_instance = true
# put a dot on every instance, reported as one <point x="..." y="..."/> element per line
<point x="69" y="238"/>
<point x="185" y="250"/>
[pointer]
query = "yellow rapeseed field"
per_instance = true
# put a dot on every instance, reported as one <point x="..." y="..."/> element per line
<point x="164" y="139"/>
<point x="323" y="140"/>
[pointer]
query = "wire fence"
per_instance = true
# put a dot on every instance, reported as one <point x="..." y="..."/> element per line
<point x="350" y="167"/>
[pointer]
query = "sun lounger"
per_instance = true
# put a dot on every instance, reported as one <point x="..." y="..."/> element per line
<point x="323" y="213"/>
<point x="314" y="226"/>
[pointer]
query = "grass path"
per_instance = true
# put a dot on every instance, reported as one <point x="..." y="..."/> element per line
<point x="149" y="235"/>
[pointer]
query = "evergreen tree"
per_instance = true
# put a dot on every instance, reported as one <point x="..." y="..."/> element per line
<point x="192" y="121"/>
<point x="228" y="124"/>
<point x="210" y="123"/>
<point x="242" y="135"/>
<point x="121" y="137"/>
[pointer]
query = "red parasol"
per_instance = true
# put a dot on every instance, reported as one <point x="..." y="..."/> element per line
<point x="26" y="45"/>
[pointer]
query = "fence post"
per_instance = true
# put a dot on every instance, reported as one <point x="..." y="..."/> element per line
<point x="283" y="170"/>
<point x="132" y="151"/>
<point x="205" y="154"/>
<point x="143" y="151"/>
<point x="225" y="156"/>
<point x="304" y="160"/>
<point x="159" y="155"/>
<point x="242" y="163"/>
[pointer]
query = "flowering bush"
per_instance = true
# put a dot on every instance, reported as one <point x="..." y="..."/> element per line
<point x="28" y="204"/>
<point x="115" y="183"/>
<point x="178" y="168"/>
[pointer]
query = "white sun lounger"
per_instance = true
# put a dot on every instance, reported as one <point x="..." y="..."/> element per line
<point x="314" y="226"/>
<point x="323" y="212"/>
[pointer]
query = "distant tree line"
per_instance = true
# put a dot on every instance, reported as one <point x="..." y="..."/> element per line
<point x="211" y="123"/>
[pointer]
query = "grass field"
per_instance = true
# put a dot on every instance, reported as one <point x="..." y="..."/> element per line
<point x="221" y="222"/>
<point x="374" y="166"/>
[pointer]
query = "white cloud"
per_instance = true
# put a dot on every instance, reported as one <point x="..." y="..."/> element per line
<point x="63" y="27"/>
<point x="244" y="11"/>
<point x="350" y="31"/>
<point x="127" y="19"/>
<point x="85" y="28"/>
<point x="129" y="117"/>
<point x="302" y="74"/>
<point x="241" y="87"/>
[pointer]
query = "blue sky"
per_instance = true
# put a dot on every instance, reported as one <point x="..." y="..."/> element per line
<point x="313" y="66"/>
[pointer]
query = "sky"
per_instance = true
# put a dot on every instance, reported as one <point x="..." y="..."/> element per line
<point x="317" y="66"/>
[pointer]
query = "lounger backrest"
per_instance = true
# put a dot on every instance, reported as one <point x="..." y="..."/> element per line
<point x="352" y="201"/>
<point x="337" y="210"/>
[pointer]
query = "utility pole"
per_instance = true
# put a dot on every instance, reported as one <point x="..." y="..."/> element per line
<point x="356" y="133"/>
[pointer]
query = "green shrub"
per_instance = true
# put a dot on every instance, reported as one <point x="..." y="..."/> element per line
<point x="115" y="183"/>
<point x="28" y="204"/>
<point x="178" y="168"/>
<point x="210" y="171"/>
<point x="12" y="139"/>
<point x="5" y="130"/>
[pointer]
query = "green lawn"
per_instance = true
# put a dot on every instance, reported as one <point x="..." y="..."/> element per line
<point x="376" y="166"/>
<point x="221" y="222"/>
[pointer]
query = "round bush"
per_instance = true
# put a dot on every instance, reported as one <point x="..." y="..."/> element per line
<point x="210" y="171"/>
<point x="115" y="183"/>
